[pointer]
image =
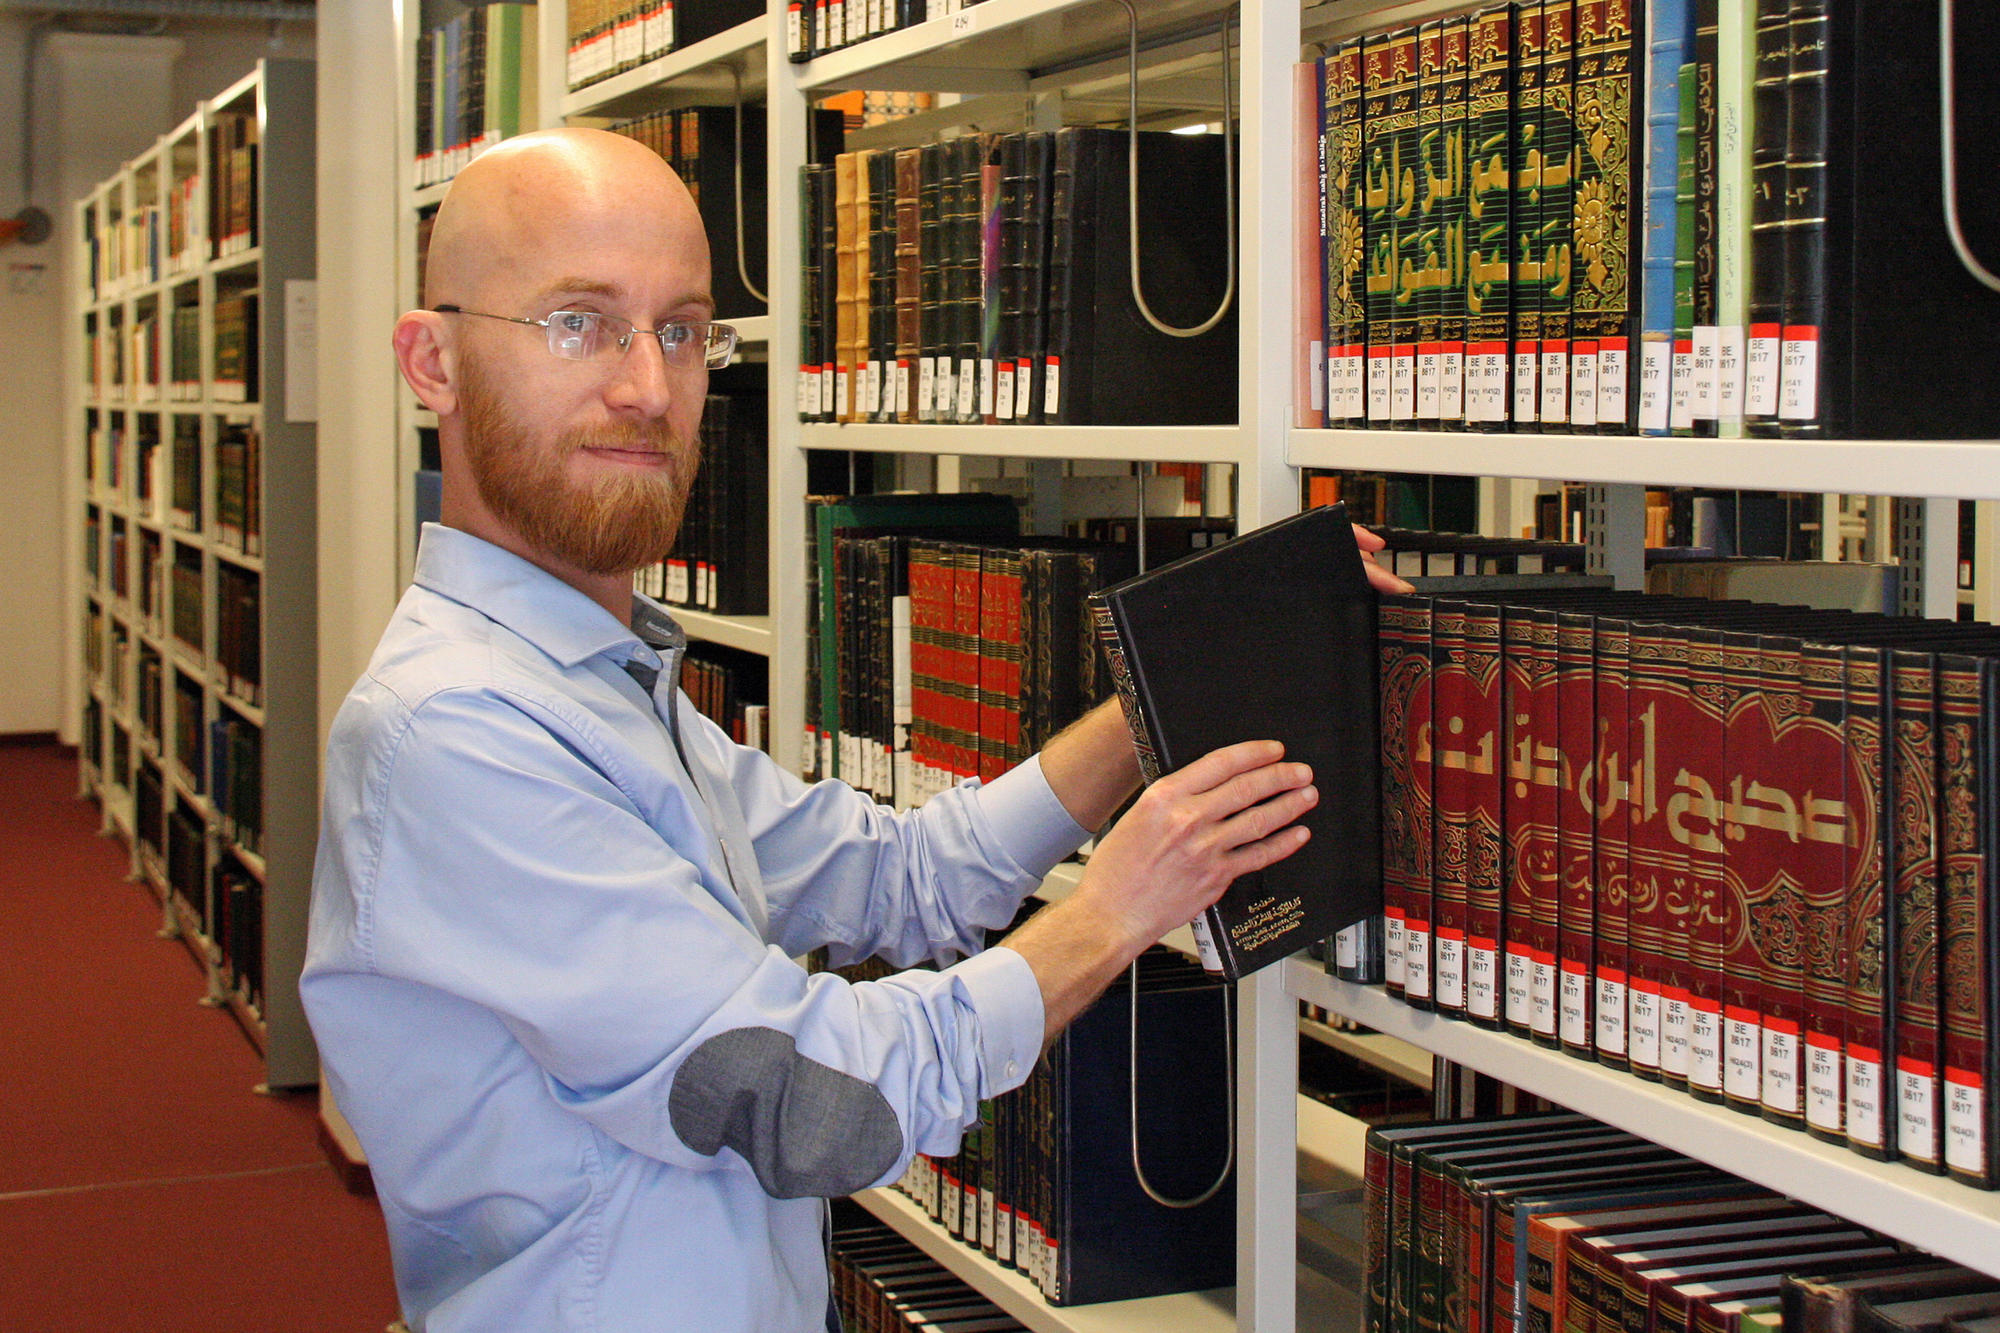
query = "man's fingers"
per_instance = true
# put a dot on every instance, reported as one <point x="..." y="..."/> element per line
<point x="1265" y="852"/>
<point x="1257" y="822"/>
<point x="1219" y="766"/>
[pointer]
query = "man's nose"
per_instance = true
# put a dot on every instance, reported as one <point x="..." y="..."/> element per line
<point x="643" y="382"/>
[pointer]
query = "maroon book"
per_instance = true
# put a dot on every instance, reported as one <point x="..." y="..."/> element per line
<point x="1483" y="746"/>
<point x="1758" y="701"/>
<point x="1530" y="760"/>
<point x="1450" y="740"/>
<point x="1966" y="961"/>
<point x="1611" y="791"/>
<point x="1405" y="657"/>
<point x="1868" y="1106"/>
<point x="1919" y="1138"/>
<point x="1701" y="775"/>
<point x="1567" y="930"/>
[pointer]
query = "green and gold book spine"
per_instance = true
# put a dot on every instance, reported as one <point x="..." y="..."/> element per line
<point x="1454" y="185"/>
<point x="1525" y="158"/>
<point x="1346" y="304"/>
<point x="1489" y="209"/>
<point x="1405" y="132"/>
<point x="1424" y="267"/>
<point x="1610" y="119"/>
<point x="1375" y="193"/>
<point x="1555" y="239"/>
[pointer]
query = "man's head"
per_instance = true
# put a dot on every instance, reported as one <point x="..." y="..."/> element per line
<point x="582" y="466"/>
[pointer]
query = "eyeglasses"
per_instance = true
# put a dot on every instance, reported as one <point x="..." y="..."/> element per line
<point x="587" y="335"/>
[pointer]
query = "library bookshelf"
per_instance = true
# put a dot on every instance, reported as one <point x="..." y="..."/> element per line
<point x="1005" y="64"/>
<point x="194" y="432"/>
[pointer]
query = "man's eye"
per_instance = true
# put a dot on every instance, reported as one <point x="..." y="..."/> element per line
<point x="575" y="321"/>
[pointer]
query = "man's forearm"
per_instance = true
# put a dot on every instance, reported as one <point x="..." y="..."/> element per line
<point x="1091" y="766"/>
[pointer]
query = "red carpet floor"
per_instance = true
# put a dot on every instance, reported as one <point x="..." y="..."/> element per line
<point x="144" y="1184"/>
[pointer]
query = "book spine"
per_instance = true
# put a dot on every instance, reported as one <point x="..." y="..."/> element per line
<point x="1650" y="869"/>
<point x="1674" y="719"/>
<point x="908" y="266"/>
<point x="1485" y="791"/>
<point x="1757" y="687"/>
<point x="1575" y="920"/>
<point x="1489" y="291"/>
<point x="1610" y="125"/>
<point x="1530" y="763"/>
<point x="1560" y="177"/>
<point x="1450" y="756"/>
<point x="1406" y="131"/>
<point x="1525" y="155"/>
<point x="1611" y="791"/>
<point x="1694" y="818"/>
<point x="1403" y="645"/>
<point x="1735" y="78"/>
<point x="1530" y="951"/>
<point x="1454" y="213"/>
<point x="1346" y="259"/>
<point x="992" y="237"/>
<point x="1770" y="131"/>
<point x="1375" y="1309"/>
<point x="1705" y="405"/>
<point x="1378" y="191"/>
<point x="1687" y="139"/>
<point x="1816" y="1054"/>
<point x="1915" y="758"/>
<point x="1313" y="133"/>
<point x="1965" y="931"/>
<point x="1871" y="921"/>
<point x="1800" y="384"/>
<point x="1429" y="255"/>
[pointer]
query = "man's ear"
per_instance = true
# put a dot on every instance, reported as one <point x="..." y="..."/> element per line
<point x="428" y="359"/>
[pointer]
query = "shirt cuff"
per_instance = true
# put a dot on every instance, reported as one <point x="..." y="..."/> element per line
<point x="1023" y="815"/>
<point x="1000" y="987"/>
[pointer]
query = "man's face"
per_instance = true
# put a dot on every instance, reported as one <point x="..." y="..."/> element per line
<point x="590" y="462"/>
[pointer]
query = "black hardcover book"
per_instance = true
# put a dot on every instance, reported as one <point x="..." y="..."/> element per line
<point x="696" y="19"/>
<point x="1770" y="121"/>
<point x="1909" y="332"/>
<point x="1286" y="617"/>
<point x="829" y="254"/>
<point x="931" y="372"/>
<point x="1030" y="380"/>
<point x="1116" y="368"/>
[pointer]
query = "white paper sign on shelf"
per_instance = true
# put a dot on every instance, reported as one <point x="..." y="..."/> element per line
<point x="301" y="350"/>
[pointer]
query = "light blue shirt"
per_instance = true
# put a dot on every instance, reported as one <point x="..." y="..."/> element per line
<point x="550" y="969"/>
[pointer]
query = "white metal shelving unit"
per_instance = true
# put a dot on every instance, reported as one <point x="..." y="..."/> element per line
<point x="280" y="96"/>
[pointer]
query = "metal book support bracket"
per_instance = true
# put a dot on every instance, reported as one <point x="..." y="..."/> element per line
<point x="1132" y="175"/>
<point x="1132" y="1095"/>
<point x="742" y="264"/>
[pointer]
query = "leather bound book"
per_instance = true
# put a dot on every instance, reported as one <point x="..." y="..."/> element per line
<point x="1567" y="1020"/>
<point x="1311" y="137"/>
<point x="908" y="284"/>
<point x="1555" y="239"/>
<point x="1484" y="746"/>
<point x="1450" y="754"/>
<point x="1031" y="352"/>
<point x="1403" y="131"/>
<point x="1816" y="1058"/>
<point x="1407" y="817"/>
<point x="1804" y="368"/>
<point x="1116" y="369"/>
<point x="1703" y="766"/>
<point x="1428" y="258"/>
<point x="1612" y="762"/>
<point x="1455" y="153"/>
<point x="992" y="240"/>
<point x="1530" y="285"/>
<point x="1968" y="951"/>
<point x="1609" y="237"/>
<point x="1377" y="192"/>
<point x="1489" y="299"/>
<point x="828" y="214"/>
<point x="1770" y="120"/>
<point x="1829" y="1301"/>
<point x="1345" y="258"/>
<point x="1704" y="405"/>
<point x="1914" y="771"/>
<point x="1525" y="770"/>
<point x="1285" y="613"/>
<point x="930" y="277"/>
<point x="1761" y="964"/>
<point x="1869" y="1099"/>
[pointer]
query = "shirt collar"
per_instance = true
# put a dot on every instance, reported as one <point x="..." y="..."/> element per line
<point x="530" y="601"/>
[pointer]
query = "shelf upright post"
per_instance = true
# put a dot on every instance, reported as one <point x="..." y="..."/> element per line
<point x="787" y="141"/>
<point x="1614" y="533"/>
<point x="1267" y="489"/>
<point x="1928" y="581"/>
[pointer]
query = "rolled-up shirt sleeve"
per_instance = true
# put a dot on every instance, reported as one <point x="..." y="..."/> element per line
<point x="513" y="868"/>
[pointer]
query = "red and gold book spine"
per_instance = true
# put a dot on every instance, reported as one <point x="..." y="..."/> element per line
<point x="1965" y="929"/>
<point x="1000" y="654"/>
<point x="1650" y="878"/>
<point x="1830" y="827"/>
<point x="1375" y="1221"/>
<point x="1915" y="774"/>
<point x="965" y="663"/>
<point x="1530" y="958"/>
<point x="1756" y="698"/>
<point x="1531" y="767"/>
<point x="1484" y="810"/>
<point x="1694" y="821"/>
<point x="1405" y="665"/>
<point x="1570" y="1025"/>
<point x="1610" y="791"/>
<point x="1451" y="742"/>
<point x="1868" y="1105"/>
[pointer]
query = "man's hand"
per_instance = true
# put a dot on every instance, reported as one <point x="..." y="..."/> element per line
<point x="1182" y="843"/>
<point x="1378" y="578"/>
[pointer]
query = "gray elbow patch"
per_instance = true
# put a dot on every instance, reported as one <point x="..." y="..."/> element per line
<point x="806" y="1129"/>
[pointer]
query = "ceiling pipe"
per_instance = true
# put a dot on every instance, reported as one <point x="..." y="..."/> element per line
<point x="254" y="11"/>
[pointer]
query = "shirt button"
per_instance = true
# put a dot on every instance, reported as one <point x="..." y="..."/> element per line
<point x="1012" y="1069"/>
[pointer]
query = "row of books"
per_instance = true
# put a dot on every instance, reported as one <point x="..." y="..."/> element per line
<point x="235" y="925"/>
<point x="235" y="333"/>
<point x="239" y="625"/>
<point x="185" y="620"/>
<point x="476" y="85"/>
<point x="1048" y="1183"/>
<point x="184" y="501"/>
<point x="732" y="689"/>
<point x="1513" y="203"/>
<point x="1741" y="848"/>
<point x="190" y="754"/>
<point x="233" y="211"/>
<point x="236" y="778"/>
<point x="608" y="37"/>
<point x="149" y="243"/>
<point x="884" y="1284"/>
<point x="239" y="499"/>
<point x="1554" y="1221"/>
<point x="988" y="278"/>
<point x="721" y="561"/>
<point x="942" y="647"/>
<point x="816" y="27"/>
<point x="152" y="584"/>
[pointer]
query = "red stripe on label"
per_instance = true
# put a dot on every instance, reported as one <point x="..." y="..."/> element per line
<point x="1963" y="1078"/>
<point x="1611" y="975"/>
<point x="1801" y="333"/>
<point x="1823" y="1041"/>
<point x="1909" y="1064"/>
<point x="1738" y="1014"/>
<point x="1452" y="933"/>
<point x="1703" y="1005"/>
<point x="1867" y="1055"/>
<point x="1613" y="344"/>
<point x="1767" y="330"/>
<point x="1482" y="943"/>
<point x="1787" y="1026"/>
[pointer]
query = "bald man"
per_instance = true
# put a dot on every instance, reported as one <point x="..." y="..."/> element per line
<point x="555" y="909"/>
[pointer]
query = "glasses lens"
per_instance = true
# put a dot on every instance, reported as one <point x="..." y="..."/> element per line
<point x="582" y="335"/>
<point x="679" y="341"/>
<point x="720" y="343"/>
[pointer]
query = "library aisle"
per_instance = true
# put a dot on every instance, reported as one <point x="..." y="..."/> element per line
<point x="143" y="1183"/>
